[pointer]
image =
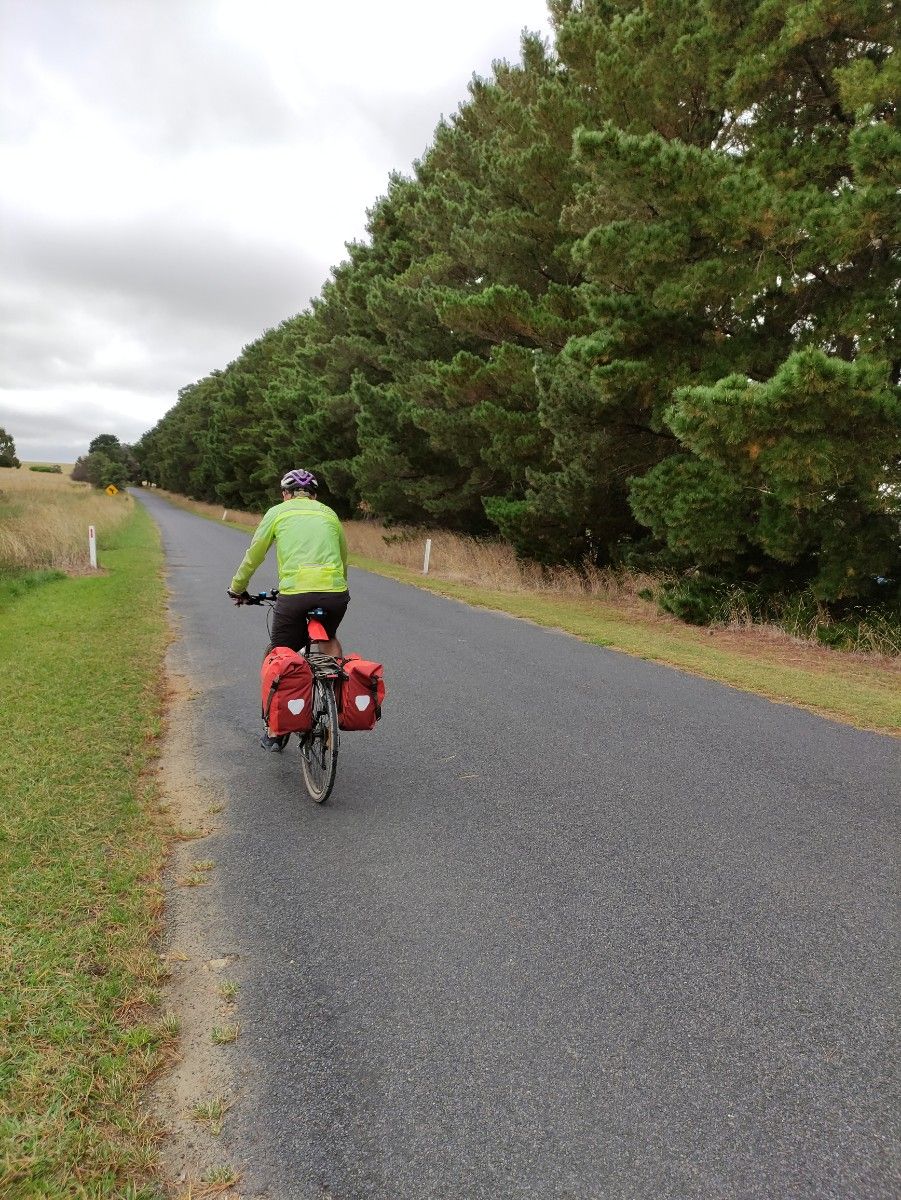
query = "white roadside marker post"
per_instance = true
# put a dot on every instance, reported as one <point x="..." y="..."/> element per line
<point x="224" y="513"/>
<point x="92" y="546"/>
<point x="428" y="555"/>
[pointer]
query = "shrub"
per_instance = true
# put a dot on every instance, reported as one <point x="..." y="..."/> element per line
<point x="697" y="599"/>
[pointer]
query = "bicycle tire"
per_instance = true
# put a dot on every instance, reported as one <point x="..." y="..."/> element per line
<point x="319" y="747"/>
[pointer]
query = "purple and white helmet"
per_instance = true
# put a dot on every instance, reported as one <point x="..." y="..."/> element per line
<point x="299" y="481"/>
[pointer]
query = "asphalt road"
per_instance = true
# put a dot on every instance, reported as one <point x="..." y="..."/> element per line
<point x="572" y="924"/>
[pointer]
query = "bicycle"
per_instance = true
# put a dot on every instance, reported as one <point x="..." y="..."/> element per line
<point x="319" y="747"/>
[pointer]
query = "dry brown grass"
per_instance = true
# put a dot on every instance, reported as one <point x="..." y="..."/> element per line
<point x="44" y="520"/>
<point x="494" y="565"/>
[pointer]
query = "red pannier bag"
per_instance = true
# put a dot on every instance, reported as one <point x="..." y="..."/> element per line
<point x="361" y="693"/>
<point x="286" y="691"/>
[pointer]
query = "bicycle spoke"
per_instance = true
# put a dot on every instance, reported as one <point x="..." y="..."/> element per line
<point x="319" y="748"/>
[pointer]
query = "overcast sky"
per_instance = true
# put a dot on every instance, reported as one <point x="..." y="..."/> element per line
<point x="177" y="176"/>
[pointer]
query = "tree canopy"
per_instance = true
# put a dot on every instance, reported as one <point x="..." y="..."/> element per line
<point x="637" y="302"/>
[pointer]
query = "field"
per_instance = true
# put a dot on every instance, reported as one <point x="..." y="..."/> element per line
<point x="44" y="521"/>
<point x="605" y="608"/>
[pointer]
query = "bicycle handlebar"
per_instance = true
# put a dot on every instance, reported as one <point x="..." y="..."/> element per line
<point x="259" y="598"/>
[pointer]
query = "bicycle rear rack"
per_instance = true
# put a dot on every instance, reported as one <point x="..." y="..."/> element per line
<point x="324" y="666"/>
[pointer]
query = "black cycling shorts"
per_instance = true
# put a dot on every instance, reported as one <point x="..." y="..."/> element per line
<point x="289" y="621"/>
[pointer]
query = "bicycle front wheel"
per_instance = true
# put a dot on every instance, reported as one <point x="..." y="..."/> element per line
<point x="319" y="747"/>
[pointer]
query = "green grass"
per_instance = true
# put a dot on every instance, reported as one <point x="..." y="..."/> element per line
<point x="834" y="684"/>
<point x="15" y="584"/>
<point x="80" y="850"/>
<point x="211" y="1113"/>
<point x="224" y="1035"/>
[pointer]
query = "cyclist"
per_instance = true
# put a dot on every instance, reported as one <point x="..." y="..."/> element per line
<point x="312" y="567"/>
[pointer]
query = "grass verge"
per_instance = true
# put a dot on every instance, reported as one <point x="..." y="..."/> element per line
<point x="860" y="689"/>
<point x="15" y="584"/>
<point x="80" y="851"/>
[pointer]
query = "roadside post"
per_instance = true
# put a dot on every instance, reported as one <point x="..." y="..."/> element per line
<point x="92" y="546"/>
<point x="428" y="555"/>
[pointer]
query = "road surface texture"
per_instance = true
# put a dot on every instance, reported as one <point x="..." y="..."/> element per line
<point x="572" y="924"/>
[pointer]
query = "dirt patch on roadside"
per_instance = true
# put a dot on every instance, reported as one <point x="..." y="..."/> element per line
<point x="192" y="1098"/>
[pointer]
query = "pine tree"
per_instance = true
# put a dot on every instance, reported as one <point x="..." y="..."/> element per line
<point x="486" y="284"/>
<point x="739" y="213"/>
<point x="820" y="428"/>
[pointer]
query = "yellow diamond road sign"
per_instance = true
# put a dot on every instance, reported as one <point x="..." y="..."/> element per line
<point x="112" y="490"/>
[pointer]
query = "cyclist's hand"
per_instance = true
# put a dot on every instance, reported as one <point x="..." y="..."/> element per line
<point x="239" y="597"/>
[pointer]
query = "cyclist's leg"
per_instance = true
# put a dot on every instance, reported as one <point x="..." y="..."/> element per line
<point x="335" y="611"/>
<point x="289" y="621"/>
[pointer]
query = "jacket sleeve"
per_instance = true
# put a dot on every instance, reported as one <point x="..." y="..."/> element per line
<point x="256" y="552"/>
<point x="342" y="542"/>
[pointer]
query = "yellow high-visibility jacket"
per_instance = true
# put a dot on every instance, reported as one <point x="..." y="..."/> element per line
<point x="309" y="545"/>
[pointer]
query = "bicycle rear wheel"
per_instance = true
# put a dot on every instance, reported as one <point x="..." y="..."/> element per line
<point x="319" y="747"/>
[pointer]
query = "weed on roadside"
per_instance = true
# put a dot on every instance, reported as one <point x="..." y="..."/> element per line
<point x="224" y="1035"/>
<point x="217" y="1180"/>
<point x="211" y="1113"/>
<point x="170" y="1025"/>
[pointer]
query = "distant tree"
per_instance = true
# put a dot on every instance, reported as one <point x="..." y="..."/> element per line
<point x="101" y="470"/>
<point x="79" y="470"/>
<point x="117" y="475"/>
<point x="129" y="461"/>
<point x="112" y="451"/>
<point x="107" y="443"/>
<point x="8" y="450"/>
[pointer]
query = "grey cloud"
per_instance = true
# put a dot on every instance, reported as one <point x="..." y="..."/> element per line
<point x="157" y="64"/>
<point x="190" y="302"/>
<point x="63" y="436"/>
<point x="48" y="347"/>
<point x="188" y="268"/>
<point x="406" y="121"/>
<point x="405" y="124"/>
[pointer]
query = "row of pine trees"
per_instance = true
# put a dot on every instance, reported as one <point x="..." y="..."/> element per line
<point x="636" y="303"/>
